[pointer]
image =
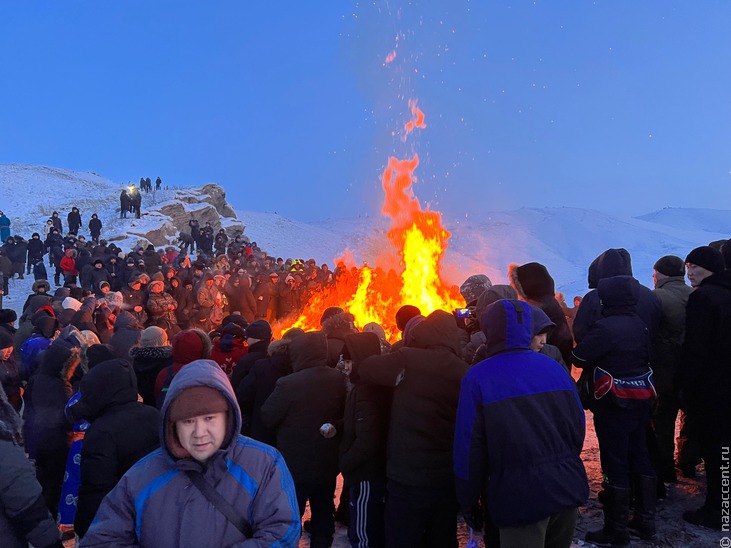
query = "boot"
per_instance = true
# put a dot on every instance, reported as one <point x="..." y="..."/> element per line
<point x="616" y="516"/>
<point x="643" y="521"/>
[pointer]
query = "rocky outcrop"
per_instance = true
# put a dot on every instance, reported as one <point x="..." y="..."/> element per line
<point x="165" y="220"/>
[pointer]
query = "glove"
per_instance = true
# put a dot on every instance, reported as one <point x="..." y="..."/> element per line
<point x="474" y="518"/>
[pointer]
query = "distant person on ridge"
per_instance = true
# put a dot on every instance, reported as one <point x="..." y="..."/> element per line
<point x="4" y="227"/>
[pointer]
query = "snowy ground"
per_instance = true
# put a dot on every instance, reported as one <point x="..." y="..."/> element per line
<point x="686" y="494"/>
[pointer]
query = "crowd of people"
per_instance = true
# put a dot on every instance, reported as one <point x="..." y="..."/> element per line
<point x="472" y="412"/>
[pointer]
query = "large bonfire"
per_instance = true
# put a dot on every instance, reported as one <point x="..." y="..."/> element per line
<point x="373" y="294"/>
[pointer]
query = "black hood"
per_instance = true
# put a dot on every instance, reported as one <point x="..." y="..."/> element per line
<point x="109" y="383"/>
<point x="618" y="294"/>
<point x="308" y="350"/>
<point x="613" y="262"/>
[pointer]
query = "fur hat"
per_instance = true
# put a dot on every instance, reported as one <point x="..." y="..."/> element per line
<point x="8" y="315"/>
<point x="670" y="265"/>
<point x="41" y="284"/>
<point x="260" y="330"/>
<point x="531" y="280"/>
<point x="473" y="287"/>
<point x="153" y="336"/>
<point x="706" y="257"/>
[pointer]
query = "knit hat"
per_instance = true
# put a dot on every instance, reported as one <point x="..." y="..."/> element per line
<point x="8" y="315"/>
<point x="153" y="336"/>
<point x="706" y="257"/>
<point x="104" y="284"/>
<point x="473" y="287"/>
<point x="196" y="401"/>
<point x="404" y="314"/>
<point x="70" y="302"/>
<point x="670" y="265"/>
<point x="260" y="330"/>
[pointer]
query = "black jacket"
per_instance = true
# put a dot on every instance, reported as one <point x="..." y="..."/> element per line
<point x="301" y="403"/>
<point x="425" y="375"/>
<point x="122" y="431"/>
<point x="705" y="371"/>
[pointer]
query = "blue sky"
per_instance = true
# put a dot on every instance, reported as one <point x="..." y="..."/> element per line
<point x="621" y="106"/>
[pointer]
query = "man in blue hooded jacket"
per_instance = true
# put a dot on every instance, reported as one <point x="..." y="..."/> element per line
<point x="519" y="434"/>
<point x="160" y="501"/>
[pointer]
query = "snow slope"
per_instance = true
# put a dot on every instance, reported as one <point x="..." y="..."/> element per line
<point x="566" y="240"/>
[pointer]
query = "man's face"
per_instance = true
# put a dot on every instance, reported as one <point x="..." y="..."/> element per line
<point x="203" y="435"/>
<point x="538" y="342"/>
<point x="5" y="353"/>
<point x="696" y="274"/>
<point x="98" y="266"/>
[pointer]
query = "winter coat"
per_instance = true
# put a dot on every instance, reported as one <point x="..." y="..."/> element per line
<point x="366" y="417"/>
<point x="263" y="294"/>
<point x="673" y="294"/>
<point x="520" y="427"/>
<point x="256" y="351"/>
<point x="49" y="391"/>
<point x="109" y="402"/>
<point x="147" y="362"/>
<point x="158" y="306"/>
<point x="613" y="262"/>
<point x="35" y="250"/>
<point x="301" y="403"/>
<point x="4" y="228"/>
<point x="95" y="227"/>
<point x="127" y="333"/>
<point x="156" y="504"/>
<point x="68" y="266"/>
<point x="56" y="220"/>
<point x="227" y="351"/>
<point x="619" y="343"/>
<point x="705" y="375"/>
<point x="336" y="328"/>
<point x="425" y="375"/>
<point x="188" y="346"/>
<point x="74" y="221"/>
<point x="96" y="277"/>
<point x="11" y="381"/>
<point x="259" y="384"/>
<point x="24" y="516"/>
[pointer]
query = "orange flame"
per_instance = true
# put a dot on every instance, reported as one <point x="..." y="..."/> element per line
<point x="390" y="57"/>
<point x="418" y="236"/>
<point x="417" y="119"/>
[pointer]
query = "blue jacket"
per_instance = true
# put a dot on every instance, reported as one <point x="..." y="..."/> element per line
<point x="155" y="504"/>
<point x="520" y="427"/>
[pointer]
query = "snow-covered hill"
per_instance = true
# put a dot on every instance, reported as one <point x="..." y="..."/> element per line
<point x="566" y="240"/>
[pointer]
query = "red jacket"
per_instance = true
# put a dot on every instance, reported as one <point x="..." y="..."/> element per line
<point x="68" y="265"/>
